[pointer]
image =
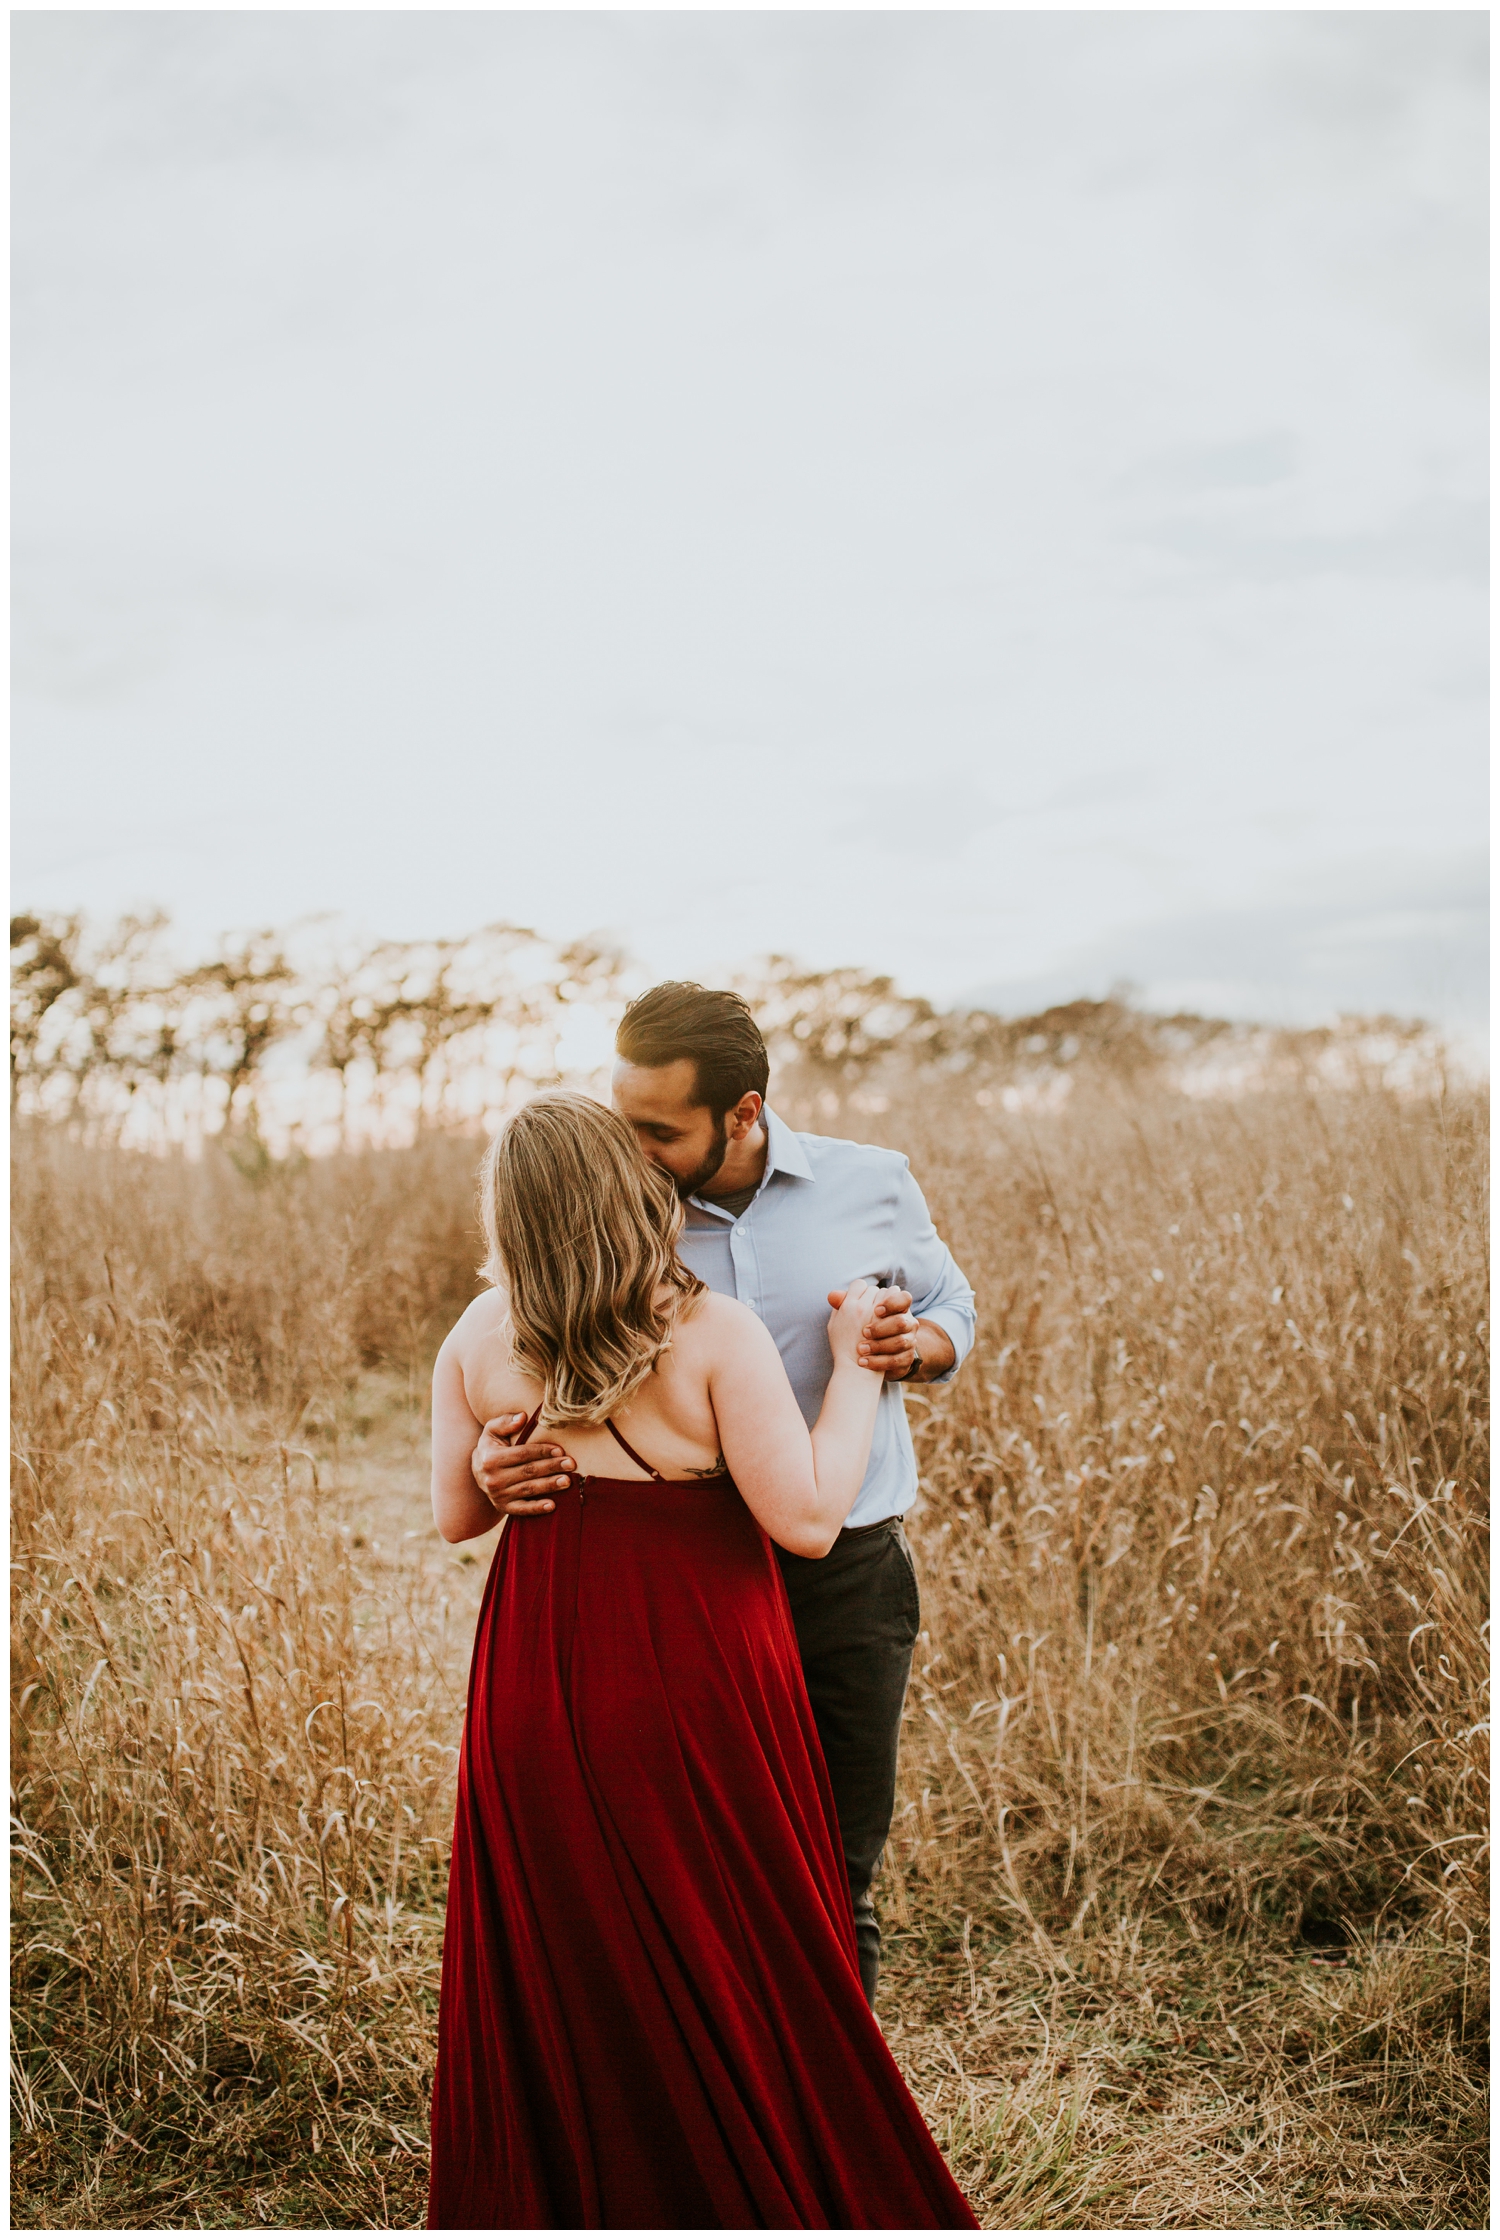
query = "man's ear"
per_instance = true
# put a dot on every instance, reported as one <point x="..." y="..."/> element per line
<point x="745" y="1115"/>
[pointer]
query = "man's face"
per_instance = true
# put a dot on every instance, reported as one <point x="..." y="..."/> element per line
<point x="672" y="1130"/>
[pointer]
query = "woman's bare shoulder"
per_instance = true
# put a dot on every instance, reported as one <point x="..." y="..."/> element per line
<point x="479" y="1347"/>
<point x="483" y="1320"/>
<point x="713" y="1323"/>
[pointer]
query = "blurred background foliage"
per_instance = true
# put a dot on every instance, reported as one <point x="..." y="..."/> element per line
<point x="309" y="1038"/>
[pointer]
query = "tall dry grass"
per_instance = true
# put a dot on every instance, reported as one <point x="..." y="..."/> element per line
<point x="1185" y="1890"/>
<point x="1194" y="1783"/>
<point x="236" y="1716"/>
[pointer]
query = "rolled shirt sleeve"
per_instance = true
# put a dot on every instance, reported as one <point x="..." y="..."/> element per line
<point x="940" y="1292"/>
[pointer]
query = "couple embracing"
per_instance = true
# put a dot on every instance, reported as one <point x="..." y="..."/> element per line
<point x="678" y="1766"/>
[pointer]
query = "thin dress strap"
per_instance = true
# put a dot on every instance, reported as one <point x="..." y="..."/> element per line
<point x="638" y="1459"/>
<point x="519" y="1438"/>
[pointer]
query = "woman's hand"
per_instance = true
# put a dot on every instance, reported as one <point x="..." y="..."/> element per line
<point x="847" y="1324"/>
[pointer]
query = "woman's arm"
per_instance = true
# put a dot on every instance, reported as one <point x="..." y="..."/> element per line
<point x="799" y="1486"/>
<point x="459" y="1509"/>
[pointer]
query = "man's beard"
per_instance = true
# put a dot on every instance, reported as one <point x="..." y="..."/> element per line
<point x="711" y="1165"/>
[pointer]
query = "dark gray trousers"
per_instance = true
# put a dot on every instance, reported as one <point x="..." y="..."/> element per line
<point x="856" y="1613"/>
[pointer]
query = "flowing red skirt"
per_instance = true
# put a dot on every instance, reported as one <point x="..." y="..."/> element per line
<point x="651" y="2012"/>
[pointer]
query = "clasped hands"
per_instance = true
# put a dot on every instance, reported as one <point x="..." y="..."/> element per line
<point x="521" y="1481"/>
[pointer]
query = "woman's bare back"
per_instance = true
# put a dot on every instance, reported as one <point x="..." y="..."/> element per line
<point x="669" y="1419"/>
<point x="719" y="1400"/>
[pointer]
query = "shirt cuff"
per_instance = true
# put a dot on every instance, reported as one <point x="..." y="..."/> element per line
<point x="960" y="1328"/>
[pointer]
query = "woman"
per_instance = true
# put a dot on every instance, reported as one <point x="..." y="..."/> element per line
<point x="651" y="2010"/>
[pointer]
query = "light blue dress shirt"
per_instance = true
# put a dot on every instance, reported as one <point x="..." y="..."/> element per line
<point x="827" y="1211"/>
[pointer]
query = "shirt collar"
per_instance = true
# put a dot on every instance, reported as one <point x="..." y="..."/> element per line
<point x="784" y="1155"/>
<point x="784" y="1152"/>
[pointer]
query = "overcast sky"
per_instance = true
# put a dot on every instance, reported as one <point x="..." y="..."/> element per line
<point x="997" y="498"/>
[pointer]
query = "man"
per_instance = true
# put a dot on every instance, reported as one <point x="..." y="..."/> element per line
<point x="773" y="1218"/>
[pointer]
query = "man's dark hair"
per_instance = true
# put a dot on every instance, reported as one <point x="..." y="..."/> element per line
<point x="711" y="1026"/>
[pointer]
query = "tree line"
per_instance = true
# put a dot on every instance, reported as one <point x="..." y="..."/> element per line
<point x="111" y="1032"/>
<point x="106" y="1020"/>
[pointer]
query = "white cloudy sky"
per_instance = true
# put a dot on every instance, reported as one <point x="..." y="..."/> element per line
<point x="992" y="497"/>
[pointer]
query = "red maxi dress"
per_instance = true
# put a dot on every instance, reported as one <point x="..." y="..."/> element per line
<point x="651" y="2010"/>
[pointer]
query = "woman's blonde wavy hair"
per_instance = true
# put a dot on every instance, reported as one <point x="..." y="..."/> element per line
<point x="582" y="1233"/>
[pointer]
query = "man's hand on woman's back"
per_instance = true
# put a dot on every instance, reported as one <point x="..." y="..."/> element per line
<point x="518" y="1481"/>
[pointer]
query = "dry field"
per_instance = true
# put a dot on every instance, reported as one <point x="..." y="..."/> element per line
<point x="1186" y="1886"/>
